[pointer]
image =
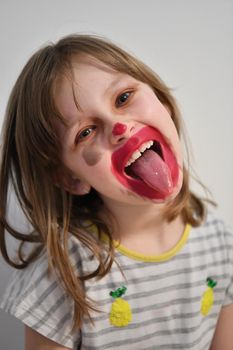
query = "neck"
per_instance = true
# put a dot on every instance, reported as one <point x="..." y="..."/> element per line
<point x="129" y="219"/>
<point x="143" y="228"/>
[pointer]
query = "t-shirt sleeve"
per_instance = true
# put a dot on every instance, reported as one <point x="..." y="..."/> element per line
<point x="229" y="256"/>
<point x="39" y="301"/>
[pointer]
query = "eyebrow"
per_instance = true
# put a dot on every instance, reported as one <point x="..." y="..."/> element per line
<point x="117" y="82"/>
<point x="114" y="84"/>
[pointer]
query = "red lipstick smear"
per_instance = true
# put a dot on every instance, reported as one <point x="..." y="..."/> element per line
<point x="119" y="129"/>
<point x="154" y="175"/>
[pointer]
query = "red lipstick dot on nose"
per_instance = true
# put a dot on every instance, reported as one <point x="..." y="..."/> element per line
<point x="119" y="129"/>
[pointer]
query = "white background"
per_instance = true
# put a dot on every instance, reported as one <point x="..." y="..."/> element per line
<point x="189" y="43"/>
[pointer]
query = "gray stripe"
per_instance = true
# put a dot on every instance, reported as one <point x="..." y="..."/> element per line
<point x="187" y="345"/>
<point x="198" y="239"/>
<point x="60" y="325"/>
<point x="206" y="237"/>
<point x="9" y="296"/>
<point x="14" y="292"/>
<point x="228" y="234"/>
<point x="181" y="256"/>
<point x="73" y="252"/>
<point x="159" y="333"/>
<point x="230" y="294"/>
<point x="158" y="306"/>
<point x="158" y="291"/>
<point x="19" y="281"/>
<point x="49" y="312"/>
<point x="39" y="301"/>
<point x="209" y="237"/>
<point x="11" y="288"/>
<point x="212" y="221"/>
<point x="112" y="285"/>
<point x="159" y="277"/>
<point x="208" y="343"/>
<point x="171" y="302"/>
<point x="204" y="252"/>
<point x="42" y="275"/>
<point x="57" y="307"/>
<point x="153" y="320"/>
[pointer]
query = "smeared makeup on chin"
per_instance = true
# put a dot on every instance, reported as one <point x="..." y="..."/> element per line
<point x="131" y="194"/>
<point x="91" y="157"/>
<point x="135" y="195"/>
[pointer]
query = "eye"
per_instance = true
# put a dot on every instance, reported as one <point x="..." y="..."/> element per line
<point x="85" y="133"/>
<point x="121" y="99"/>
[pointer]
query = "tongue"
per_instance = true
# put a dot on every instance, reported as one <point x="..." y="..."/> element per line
<point x="151" y="169"/>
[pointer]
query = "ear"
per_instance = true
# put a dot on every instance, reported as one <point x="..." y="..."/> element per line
<point x="71" y="183"/>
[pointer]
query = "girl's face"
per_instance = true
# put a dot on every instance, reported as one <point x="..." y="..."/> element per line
<point x="120" y="139"/>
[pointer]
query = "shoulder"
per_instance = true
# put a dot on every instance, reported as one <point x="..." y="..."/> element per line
<point x="212" y="244"/>
<point x="215" y="228"/>
<point x="220" y="242"/>
<point x="38" y="299"/>
<point x="23" y="282"/>
<point x="218" y="227"/>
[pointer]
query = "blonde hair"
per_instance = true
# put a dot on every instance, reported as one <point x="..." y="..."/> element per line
<point x="30" y="157"/>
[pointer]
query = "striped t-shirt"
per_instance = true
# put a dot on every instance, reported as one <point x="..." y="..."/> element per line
<point x="161" y="302"/>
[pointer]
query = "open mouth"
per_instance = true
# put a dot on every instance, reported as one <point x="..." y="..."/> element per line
<point x="148" y="145"/>
<point x="146" y="164"/>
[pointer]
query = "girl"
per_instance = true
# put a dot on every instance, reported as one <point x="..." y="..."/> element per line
<point x="122" y="254"/>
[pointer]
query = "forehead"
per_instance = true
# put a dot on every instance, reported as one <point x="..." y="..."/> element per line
<point x="84" y="69"/>
<point x="86" y="78"/>
<point x="90" y="64"/>
<point x="92" y="75"/>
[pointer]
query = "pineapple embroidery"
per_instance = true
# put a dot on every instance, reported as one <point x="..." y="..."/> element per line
<point x="208" y="297"/>
<point x="120" y="314"/>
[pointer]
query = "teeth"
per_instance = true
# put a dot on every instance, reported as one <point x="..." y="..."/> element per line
<point x="145" y="146"/>
<point x="137" y="154"/>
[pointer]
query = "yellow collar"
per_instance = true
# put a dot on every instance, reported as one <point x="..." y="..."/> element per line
<point x="153" y="258"/>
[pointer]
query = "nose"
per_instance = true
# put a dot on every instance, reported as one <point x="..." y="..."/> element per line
<point x="119" y="129"/>
<point x="121" y="132"/>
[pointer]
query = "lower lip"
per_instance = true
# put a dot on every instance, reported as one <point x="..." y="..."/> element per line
<point x="121" y="156"/>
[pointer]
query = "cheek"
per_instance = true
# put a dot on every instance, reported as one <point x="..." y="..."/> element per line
<point x="158" y="115"/>
<point x="160" y="119"/>
<point x="91" y="157"/>
<point x="151" y="111"/>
